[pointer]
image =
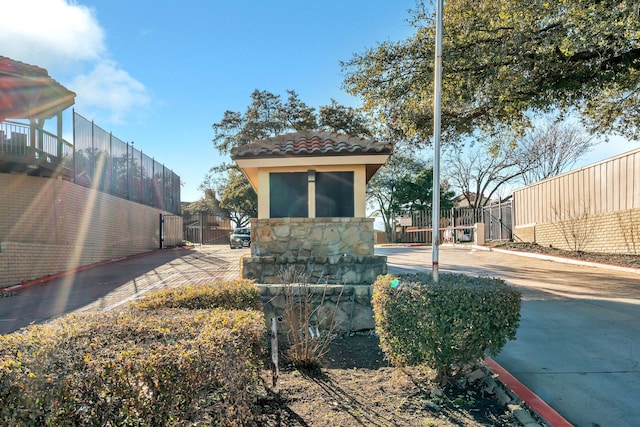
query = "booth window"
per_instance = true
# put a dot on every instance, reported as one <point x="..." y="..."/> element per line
<point x="288" y="195"/>
<point x="334" y="194"/>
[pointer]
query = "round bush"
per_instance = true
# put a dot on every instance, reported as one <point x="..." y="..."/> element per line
<point x="444" y="325"/>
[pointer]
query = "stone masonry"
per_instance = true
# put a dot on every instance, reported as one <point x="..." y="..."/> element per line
<point x="343" y="309"/>
<point x="323" y="250"/>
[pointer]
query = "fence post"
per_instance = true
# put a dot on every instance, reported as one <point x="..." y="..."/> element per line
<point x="161" y="230"/>
<point x="478" y="235"/>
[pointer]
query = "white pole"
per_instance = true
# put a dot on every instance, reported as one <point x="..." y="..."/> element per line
<point x="437" y="96"/>
<point x="275" y="369"/>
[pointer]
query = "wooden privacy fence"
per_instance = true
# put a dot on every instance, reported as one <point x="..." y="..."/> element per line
<point x="206" y="229"/>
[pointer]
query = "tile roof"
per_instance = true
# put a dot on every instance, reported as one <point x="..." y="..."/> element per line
<point x="311" y="143"/>
<point x="8" y="65"/>
<point x="29" y="92"/>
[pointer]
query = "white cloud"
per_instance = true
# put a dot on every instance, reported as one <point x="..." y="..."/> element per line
<point x="50" y="33"/>
<point x="109" y="91"/>
<point x="66" y="38"/>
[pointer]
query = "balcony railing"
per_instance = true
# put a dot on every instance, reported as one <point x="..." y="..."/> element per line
<point x="35" y="151"/>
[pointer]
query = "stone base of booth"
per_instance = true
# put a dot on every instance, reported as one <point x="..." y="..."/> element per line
<point x="345" y="309"/>
<point x="322" y="250"/>
<point x="343" y="270"/>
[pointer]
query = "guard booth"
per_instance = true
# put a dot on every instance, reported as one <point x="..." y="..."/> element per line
<point x="311" y="188"/>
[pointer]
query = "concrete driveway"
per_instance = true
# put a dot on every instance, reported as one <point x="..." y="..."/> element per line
<point x="578" y="345"/>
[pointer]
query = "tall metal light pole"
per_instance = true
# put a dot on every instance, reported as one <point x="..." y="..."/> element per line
<point x="437" y="96"/>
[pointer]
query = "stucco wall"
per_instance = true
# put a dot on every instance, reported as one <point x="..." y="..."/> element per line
<point x="50" y="225"/>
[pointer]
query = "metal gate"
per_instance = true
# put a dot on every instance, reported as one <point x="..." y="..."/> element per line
<point x="457" y="225"/>
<point x="170" y="230"/>
<point x="206" y="229"/>
<point x="497" y="221"/>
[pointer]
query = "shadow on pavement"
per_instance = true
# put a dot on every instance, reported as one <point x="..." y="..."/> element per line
<point x="40" y="302"/>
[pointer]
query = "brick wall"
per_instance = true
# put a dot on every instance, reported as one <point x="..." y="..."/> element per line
<point x="613" y="232"/>
<point x="524" y="233"/>
<point x="50" y="225"/>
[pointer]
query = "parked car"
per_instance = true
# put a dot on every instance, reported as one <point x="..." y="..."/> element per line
<point x="240" y="238"/>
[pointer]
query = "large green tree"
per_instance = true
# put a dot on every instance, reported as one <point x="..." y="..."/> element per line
<point x="414" y="193"/>
<point x="404" y="184"/>
<point x="268" y="115"/>
<point x="504" y="60"/>
<point x="209" y="204"/>
<point x="382" y="190"/>
<point x="238" y="200"/>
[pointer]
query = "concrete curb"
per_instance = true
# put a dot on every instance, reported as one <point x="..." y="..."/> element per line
<point x="524" y="254"/>
<point x="533" y="402"/>
<point x="560" y="259"/>
<point x="23" y="285"/>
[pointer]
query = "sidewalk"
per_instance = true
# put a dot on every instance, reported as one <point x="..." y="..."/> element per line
<point x="576" y="347"/>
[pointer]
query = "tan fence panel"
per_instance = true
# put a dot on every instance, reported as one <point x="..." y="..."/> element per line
<point x="593" y="201"/>
<point x="608" y="186"/>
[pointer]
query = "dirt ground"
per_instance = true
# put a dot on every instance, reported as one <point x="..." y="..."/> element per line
<point x="357" y="387"/>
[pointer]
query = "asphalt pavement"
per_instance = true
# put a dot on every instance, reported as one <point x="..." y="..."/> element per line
<point x="576" y="348"/>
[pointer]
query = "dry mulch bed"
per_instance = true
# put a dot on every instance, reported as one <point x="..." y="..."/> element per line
<point x="357" y="387"/>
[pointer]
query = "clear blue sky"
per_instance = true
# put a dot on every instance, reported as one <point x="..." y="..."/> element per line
<point x="161" y="72"/>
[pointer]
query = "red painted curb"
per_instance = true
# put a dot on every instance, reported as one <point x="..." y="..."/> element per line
<point x="532" y="400"/>
<point x="81" y="268"/>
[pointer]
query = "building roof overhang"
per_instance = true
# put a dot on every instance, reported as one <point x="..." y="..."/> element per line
<point x="27" y="92"/>
<point x="310" y="149"/>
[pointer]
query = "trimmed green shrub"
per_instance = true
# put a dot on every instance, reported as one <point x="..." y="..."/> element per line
<point x="443" y="326"/>
<point x="240" y="294"/>
<point x="165" y="367"/>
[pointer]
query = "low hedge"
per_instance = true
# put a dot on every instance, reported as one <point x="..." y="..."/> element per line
<point x="164" y="367"/>
<point x="240" y="294"/>
<point x="443" y="326"/>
